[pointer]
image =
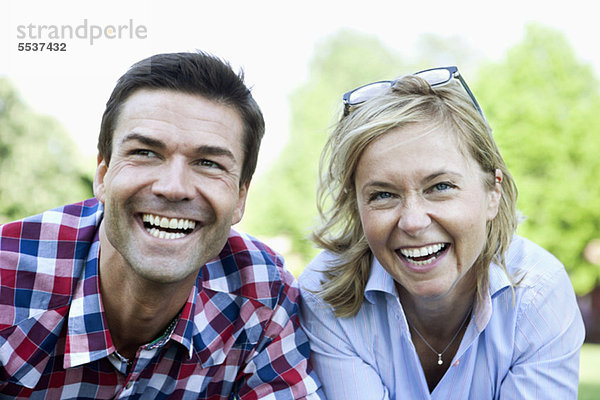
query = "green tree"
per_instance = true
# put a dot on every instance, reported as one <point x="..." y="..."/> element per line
<point x="433" y="50"/>
<point x="39" y="164"/>
<point x="543" y="105"/>
<point x="282" y="200"/>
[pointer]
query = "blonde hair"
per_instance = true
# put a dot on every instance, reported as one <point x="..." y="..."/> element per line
<point x="411" y="100"/>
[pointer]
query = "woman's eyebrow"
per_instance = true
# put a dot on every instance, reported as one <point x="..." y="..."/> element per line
<point x="439" y="173"/>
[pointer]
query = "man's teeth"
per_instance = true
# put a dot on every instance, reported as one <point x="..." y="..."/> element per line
<point x="165" y="235"/>
<point x="173" y="223"/>
<point x="424" y="251"/>
<point x="155" y="222"/>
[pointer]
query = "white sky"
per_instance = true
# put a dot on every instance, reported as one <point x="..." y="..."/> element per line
<point x="272" y="40"/>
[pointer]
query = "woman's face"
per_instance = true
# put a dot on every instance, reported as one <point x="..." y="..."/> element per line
<point x="424" y="206"/>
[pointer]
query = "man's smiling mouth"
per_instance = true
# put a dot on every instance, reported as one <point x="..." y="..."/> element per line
<point x="167" y="228"/>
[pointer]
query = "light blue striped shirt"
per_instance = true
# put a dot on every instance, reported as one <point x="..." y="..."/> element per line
<point x="524" y="346"/>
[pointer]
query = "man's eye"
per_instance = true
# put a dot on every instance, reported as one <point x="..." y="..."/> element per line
<point x="143" y="153"/>
<point x="209" y="164"/>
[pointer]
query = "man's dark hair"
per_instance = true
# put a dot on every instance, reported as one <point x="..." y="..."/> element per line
<point x="191" y="73"/>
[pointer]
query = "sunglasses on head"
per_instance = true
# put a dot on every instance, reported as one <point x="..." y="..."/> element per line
<point x="434" y="76"/>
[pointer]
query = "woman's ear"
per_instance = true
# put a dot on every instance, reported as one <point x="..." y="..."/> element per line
<point x="494" y="196"/>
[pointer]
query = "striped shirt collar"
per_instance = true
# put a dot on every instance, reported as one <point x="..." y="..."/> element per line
<point x="380" y="281"/>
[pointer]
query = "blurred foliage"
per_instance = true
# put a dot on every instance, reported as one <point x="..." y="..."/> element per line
<point x="589" y="378"/>
<point x="39" y="164"/>
<point x="282" y="200"/>
<point x="540" y="99"/>
<point x="543" y="105"/>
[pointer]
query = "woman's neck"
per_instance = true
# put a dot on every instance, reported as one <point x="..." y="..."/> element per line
<point x="442" y="315"/>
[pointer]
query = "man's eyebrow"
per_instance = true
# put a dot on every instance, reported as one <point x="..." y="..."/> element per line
<point x="214" y="151"/>
<point x="148" y="141"/>
<point x="204" y="150"/>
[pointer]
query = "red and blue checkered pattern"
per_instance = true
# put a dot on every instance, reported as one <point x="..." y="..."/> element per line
<point x="237" y="337"/>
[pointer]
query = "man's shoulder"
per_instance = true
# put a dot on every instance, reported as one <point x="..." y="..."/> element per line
<point x="50" y="242"/>
<point x="249" y="268"/>
<point x="42" y="256"/>
<point x="69" y="222"/>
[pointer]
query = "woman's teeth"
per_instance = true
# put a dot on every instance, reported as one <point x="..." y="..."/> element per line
<point x="423" y="255"/>
<point x="167" y="228"/>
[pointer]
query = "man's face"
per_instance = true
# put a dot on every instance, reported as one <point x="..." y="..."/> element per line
<point x="172" y="189"/>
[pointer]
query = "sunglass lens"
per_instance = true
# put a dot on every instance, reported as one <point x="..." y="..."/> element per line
<point x="435" y="76"/>
<point x="367" y="92"/>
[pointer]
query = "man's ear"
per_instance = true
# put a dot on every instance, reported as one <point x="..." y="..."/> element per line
<point x="241" y="204"/>
<point x="101" y="169"/>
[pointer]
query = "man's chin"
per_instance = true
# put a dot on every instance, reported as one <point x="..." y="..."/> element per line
<point x="166" y="273"/>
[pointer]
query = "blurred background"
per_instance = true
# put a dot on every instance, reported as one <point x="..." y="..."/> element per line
<point x="532" y="66"/>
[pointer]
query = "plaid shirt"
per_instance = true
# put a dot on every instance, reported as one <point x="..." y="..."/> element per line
<point x="237" y="336"/>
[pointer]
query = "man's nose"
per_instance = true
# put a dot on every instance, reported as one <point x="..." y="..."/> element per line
<point x="173" y="181"/>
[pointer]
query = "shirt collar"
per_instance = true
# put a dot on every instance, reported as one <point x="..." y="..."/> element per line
<point x="381" y="281"/>
<point x="498" y="281"/>
<point x="88" y="338"/>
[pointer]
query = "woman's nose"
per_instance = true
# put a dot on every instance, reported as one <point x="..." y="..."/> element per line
<point x="414" y="217"/>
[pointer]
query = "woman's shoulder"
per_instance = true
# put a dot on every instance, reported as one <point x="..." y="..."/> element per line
<point x="314" y="273"/>
<point x="541" y="282"/>
<point x="531" y="265"/>
<point x="543" y="308"/>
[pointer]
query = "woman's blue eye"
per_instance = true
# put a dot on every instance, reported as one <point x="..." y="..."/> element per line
<point x="442" y="186"/>
<point x="380" y="196"/>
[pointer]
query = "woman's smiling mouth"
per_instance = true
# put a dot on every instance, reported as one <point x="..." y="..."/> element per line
<point x="423" y="255"/>
<point x="167" y="228"/>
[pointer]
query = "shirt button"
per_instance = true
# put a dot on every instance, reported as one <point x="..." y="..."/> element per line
<point x="456" y="363"/>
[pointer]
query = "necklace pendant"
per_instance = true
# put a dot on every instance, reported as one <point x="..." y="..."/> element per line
<point x="440" y="362"/>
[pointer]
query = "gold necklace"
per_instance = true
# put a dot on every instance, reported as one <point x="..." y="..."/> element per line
<point x="440" y="354"/>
